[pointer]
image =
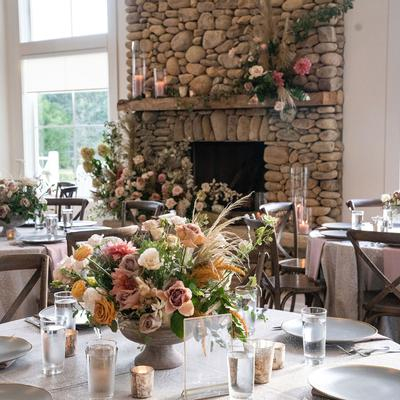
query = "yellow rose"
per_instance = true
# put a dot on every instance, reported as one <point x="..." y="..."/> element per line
<point x="83" y="252"/>
<point x="103" y="150"/>
<point x="88" y="167"/>
<point x="87" y="153"/>
<point x="78" y="289"/>
<point x="104" y="312"/>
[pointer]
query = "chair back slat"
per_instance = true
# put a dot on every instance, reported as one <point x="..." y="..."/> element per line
<point x="73" y="238"/>
<point x="39" y="263"/>
<point x="69" y="202"/>
<point x="130" y="208"/>
<point x="363" y="261"/>
<point x="352" y="204"/>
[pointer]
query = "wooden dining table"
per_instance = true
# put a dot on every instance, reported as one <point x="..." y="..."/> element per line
<point x="289" y="383"/>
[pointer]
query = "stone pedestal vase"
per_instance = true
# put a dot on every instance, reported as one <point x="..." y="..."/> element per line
<point x="159" y="351"/>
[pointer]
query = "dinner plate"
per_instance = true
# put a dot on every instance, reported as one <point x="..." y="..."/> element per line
<point x="17" y="391"/>
<point x="357" y="382"/>
<point x="41" y="239"/>
<point x="11" y="348"/>
<point x="79" y="224"/>
<point x="338" y="330"/>
<point x="334" y="234"/>
<point x="337" y="225"/>
<point x="81" y="320"/>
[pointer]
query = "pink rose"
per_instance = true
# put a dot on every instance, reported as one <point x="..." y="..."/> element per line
<point x="170" y="203"/>
<point x="162" y="178"/>
<point x="136" y="195"/>
<point x="128" y="299"/>
<point x="263" y="46"/>
<point x="254" y="100"/>
<point x="140" y="183"/>
<point x="177" y="190"/>
<point x="302" y="66"/>
<point x="149" y="323"/>
<point x="155" y="197"/>
<point x="129" y="263"/>
<point x="4" y="210"/>
<point x="113" y="203"/>
<point x="177" y="297"/>
<point x="256" y="71"/>
<point x="119" y="191"/>
<point x="248" y="86"/>
<point x="278" y="78"/>
<point x="190" y="235"/>
<point x="24" y="202"/>
<point x="165" y="188"/>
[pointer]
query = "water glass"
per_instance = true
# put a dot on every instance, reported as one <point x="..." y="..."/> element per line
<point x="356" y="219"/>
<point x="101" y="356"/>
<point x="67" y="218"/>
<point x="52" y="331"/>
<point x="51" y="224"/>
<point x="314" y="334"/>
<point x="246" y="298"/>
<point x="65" y="306"/>
<point x="39" y="219"/>
<point x="388" y="216"/>
<point x="241" y="369"/>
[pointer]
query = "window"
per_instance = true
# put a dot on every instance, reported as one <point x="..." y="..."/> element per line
<point x="54" y="19"/>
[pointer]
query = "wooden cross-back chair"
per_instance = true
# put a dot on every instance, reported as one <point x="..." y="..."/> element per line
<point x="132" y="208"/>
<point x="69" y="202"/>
<point x="375" y="304"/>
<point x="285" y="212"/>
<point x="353" y="204"/>
<point x="73" y="238"/>
<point x="278" y="289"/>
<point x="66" y="189"/>
<point x="39" y="264"/>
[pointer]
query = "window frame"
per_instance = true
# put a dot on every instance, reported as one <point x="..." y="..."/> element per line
<point x="25" y="145"/>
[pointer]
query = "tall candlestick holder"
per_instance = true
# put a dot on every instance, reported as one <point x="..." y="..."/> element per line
<point x="138" y="71"/>
<point x="299" y="175"/>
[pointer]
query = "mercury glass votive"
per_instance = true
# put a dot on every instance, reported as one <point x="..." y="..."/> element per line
<point x="279" y="356"/>
<point x="71" y="340"/>
<point x="142" y="382"/>
<point x="264" y="358"/>
<point x="11" y="233"/>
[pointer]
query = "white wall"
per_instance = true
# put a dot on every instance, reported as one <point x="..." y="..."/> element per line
<point x="372" y="106"/>
<point x="4" y="130"/>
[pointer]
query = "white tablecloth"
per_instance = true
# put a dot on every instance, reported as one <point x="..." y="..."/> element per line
<point x="287" y="384"/>
<point x="339" y="268"/>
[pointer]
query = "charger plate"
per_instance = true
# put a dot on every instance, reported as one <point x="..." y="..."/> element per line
<point x="357" y="382"/>
<point x="41" y="239"/>
<point x="11" y="348"/>
<point x="338" y="330"/>
<point x="337" y="225"/>
<point x="334" y="234"/>
<point x="17" y="391"/>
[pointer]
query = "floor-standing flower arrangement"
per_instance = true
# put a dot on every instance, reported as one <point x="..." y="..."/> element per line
<point x="172" y="269"/>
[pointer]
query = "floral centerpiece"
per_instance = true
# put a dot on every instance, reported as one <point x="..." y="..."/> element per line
<point x="172" y="269"/>
<point x="391" y="204"/>
<point x="19" y="199"/>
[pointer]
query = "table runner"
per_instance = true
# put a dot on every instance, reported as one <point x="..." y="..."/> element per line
<point x="391" y="262"/>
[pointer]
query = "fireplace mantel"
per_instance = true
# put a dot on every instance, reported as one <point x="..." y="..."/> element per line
<point x="226" y="103"/>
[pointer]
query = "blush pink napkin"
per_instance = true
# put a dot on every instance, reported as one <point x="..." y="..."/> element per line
<point x="316" y="245"/>
<point x="391" y="262"/>
<point x="56" y="252"/>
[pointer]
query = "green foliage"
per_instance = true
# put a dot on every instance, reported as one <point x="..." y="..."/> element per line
<point x="264" y="233"/>
<point x="177" y="324"/>
<point x="301" y="28"/>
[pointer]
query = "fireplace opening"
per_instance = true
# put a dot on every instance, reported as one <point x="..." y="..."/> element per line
<point x="239" y="164"/>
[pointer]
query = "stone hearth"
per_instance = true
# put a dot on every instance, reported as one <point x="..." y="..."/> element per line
<point x="191" y="40"/>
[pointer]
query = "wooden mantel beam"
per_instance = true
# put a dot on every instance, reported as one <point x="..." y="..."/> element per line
<point x="232" y="102"/>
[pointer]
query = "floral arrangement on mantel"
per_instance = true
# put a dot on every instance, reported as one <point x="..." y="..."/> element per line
<point x="272" y="67"/>
<point x="166" y="176"/>
<point x="391" y="200"/>
<point x="19" y="199"/>
<point x="172" y="269"/>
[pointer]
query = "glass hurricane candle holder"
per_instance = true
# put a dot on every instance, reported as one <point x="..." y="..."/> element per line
<point x="138" y="71"/>
<point x="159" y="82"/>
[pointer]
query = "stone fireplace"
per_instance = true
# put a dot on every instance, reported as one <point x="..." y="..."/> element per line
<point x="191" y="40"/>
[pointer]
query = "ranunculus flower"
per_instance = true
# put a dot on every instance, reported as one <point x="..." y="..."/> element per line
<point x="118" y="250"/>
<point x="149" y="323"/>
<point x="302" y="66"/>
<point x="177" y="190"/>
<point x="177" y="297"/>
<point x="139" y="159"/>
<point x="256" y="71"/>
<point x="278" y="78"/>
<point x="161" y="178"/>
<point x="170" y="203"/>
<point x="150" y="259"/>
<point x="83" y="252"/>
<point x="279" y="106"/>
<point x="90" y="297"/>
<point x="119" y="191"/>
<point x="4" y="210"/>
<point x="190" y="235"/>
<point x="104" y="312"/>
<point x="78" y="289"/>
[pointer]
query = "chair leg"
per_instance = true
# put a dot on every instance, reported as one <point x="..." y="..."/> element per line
<point x="285" y="299"/>
<point x="293" y="303"/>
<point x="308" y="299"/>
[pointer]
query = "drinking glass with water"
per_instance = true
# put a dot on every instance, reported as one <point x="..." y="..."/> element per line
<point x="65" y="305"/>
<point x="241" y="360"/>
<point x="51" y="224"/>
<point x="314" y="334"/>
<point x="67" y="218"/>
<point x="52" y="331"/>
<point x="246" y="297"/>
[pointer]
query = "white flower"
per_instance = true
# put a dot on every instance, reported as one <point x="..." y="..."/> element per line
<point x="139" y="159"/>
<point x="217" y="208"/>
<point x="256" y="71"/>
<point x="90" y="297"/>
<point x="150" y="259"/>
<point x="150" y="224"/>
<point x="95" y="240"/>
<point x="156" y="234"/>
<point x="177" y="220"/>
<point x="279" y="106"/>
<point x="385" y="198"/>
<point x="307" y="97"/>
<point x="205" y="187"/>
<point x="200" y="206"/>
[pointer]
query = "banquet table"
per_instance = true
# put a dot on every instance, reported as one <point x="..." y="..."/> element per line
<point x="337" y="261"/>
<point x="288" y="383"/>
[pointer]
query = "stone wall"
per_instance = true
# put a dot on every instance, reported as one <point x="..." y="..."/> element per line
<point x="191" y="39"/>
